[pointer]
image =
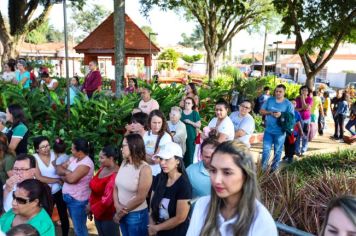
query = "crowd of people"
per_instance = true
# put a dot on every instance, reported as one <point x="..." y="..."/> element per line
<point x="172" y="179"/>
<point x="21" y="73"/>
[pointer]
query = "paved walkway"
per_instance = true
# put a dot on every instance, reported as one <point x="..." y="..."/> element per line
<point x="320" y="144"/>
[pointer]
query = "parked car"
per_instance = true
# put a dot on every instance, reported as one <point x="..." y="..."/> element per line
<point x="255" y="73"/>
<point x="288" y="81"/>
<point x="351" y="84"/>
<point x="332" y="92"/>
<point x="324" y="81"/>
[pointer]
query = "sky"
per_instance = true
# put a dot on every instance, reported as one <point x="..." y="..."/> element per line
<point x="168" y="25"/>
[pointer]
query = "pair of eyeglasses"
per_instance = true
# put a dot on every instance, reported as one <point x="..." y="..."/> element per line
<point x="21" y="169"/>
<point x="44" y="147"/>
<point x="20" y="200"/>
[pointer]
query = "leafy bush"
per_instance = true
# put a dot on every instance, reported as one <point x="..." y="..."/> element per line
<point x="168" y="54"/>
<point x="192" y="58"/>
<point x="342" y="161"/>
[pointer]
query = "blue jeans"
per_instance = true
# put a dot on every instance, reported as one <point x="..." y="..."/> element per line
<point x="77" y="213"/>
<point x="107" y="228"/>
<point x="135" y="223"/>
<point x="349" y="126"/>
<point x="268" y="140"/>
<point x="304" y="140"/>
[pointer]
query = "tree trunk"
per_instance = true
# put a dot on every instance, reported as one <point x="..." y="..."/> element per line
<point x="10" y="50"/>
<point x="119" y="38"/>
<point x="310" y="80"/>
<point x="263" y="70"/>
<point x="210" y="65"/>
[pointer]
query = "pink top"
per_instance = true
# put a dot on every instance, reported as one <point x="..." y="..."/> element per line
<point x="80" y="190"/>
<point x="127" y="180"/>
<point x="305" y="114"/>
<point x="149" y="106"/>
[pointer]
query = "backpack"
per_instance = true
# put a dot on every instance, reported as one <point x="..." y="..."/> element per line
<point x="257" y="105"/>
<point x="286" y="122"/>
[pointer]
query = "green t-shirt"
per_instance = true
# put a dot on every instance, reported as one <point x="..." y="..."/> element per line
<point x="42" y="222"/>
<point x="191" y="130"/>
<point x="20" y="131"/>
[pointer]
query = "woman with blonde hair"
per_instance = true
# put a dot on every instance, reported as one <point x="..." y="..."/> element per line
<point x="232" y="208"/>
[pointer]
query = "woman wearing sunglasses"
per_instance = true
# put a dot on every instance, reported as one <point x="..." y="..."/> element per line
<point x="32" y="205"/>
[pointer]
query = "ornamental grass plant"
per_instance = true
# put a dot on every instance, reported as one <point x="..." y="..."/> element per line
<point x="298" y="195"/>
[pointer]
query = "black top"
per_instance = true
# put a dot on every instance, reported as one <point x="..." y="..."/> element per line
<point x="19" y="131"/>
<point x="180" y="190"/>
<point x="335" y="102"/>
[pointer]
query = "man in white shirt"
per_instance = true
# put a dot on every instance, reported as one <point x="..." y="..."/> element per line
<point x="147" y="104"/>
<point x="24" y="168"/>
<point x="244" y="123"/>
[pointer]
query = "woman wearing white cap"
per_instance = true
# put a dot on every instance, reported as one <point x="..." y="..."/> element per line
<point x="171" y="194"/>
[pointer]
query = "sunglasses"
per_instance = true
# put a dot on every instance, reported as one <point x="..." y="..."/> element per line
<point x="20" y="200"/>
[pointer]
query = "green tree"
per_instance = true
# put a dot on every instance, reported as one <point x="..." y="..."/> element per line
<point x="43" y="34"/>
<point x="247" y="61"/>
<point x="148" y="29"/>
<point x="21" y="21"/>
<point x="319" y="27"/>
<point x="195" y="40"/>
<point x="88" y="18"/>
<point x="192" y="59"/>
<point x="170" y="59"/>
<point x="220" y="20"/>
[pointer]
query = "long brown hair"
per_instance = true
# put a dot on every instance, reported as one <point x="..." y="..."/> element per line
<point x="245" y="208"/>
<point x="163" y="129"/>
<point x="137" y="149"/>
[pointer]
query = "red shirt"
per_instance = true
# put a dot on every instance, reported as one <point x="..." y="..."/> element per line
<point x="92" y="82"/>
<point x="101" y="197"/>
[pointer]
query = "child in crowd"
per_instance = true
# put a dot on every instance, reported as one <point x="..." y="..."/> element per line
<point x="59" y="148"/>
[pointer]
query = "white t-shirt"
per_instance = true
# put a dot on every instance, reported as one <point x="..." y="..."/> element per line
<point x="226" y="127"/>
<point x="149" y="106"/>
<point x="51" y="84"/>
<point x="8" y="76"/>
<point x="150" y="144"/>
<point x="246" y="123"/>
<point x="49" y="171"/>
<point x="263" y="223"/>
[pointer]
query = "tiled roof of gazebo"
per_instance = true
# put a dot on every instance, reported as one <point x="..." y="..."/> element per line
<point x="101" y="40"/>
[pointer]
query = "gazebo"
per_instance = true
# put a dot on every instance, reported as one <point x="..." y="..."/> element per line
<point x="100" y="42"/>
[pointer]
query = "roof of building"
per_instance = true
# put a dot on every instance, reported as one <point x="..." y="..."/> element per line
<point x="295" y="59"/>
<point x="101" y="40"/>
<point x="42" y="47"/>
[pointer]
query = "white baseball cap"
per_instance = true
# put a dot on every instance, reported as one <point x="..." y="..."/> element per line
<point x="169" y="150"/>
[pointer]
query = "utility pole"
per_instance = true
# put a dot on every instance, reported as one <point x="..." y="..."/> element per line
<point x="119" y="39"/>
<point x="66" y="55"/>
<point x="275" y="69"/>
<point x="263" y="70"/>
<point x="150" y="68"/>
